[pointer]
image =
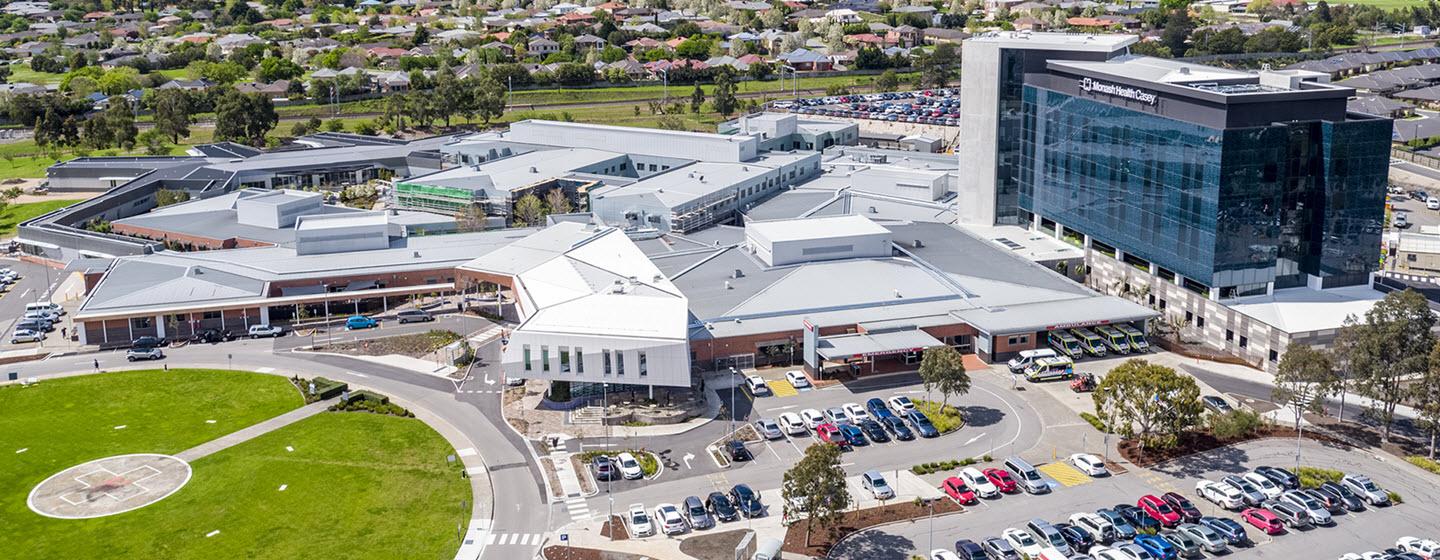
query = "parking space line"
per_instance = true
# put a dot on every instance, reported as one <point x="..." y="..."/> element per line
<point x="1064" y="474"/>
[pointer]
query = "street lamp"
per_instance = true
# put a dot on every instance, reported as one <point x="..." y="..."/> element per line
<point x="734" y="378"/>
<point x="794" y="79"/>
<point x="664" y="85"/>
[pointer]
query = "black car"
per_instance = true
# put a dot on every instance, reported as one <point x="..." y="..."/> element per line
<point x="719" y="505"/>
<point x="604" y="468"/>
<point x="874" y="431"/>
<point x="1077" y="537"/>
<point x="1420" y="195"/>
<point x="737" y="451"/>
<point x="148" y="342"/>
<point x="212" y="336"/>
<point x="1188" y="512"/>
<point x="967" y="549"/>
<point x="746" y="500"/>
<point x="1343" y="495"/>
<point x="1285" y="479"/>
<point x="40" y="325"/>
<point x="897" y="427"/>
<point x="1137" y="517"/>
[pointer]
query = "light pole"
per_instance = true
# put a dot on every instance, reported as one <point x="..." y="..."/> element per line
<point x="664" y="86"/>
<point x="734" y="376"/>
<point x="794" y="80"/>
<point x="932" y="525"/>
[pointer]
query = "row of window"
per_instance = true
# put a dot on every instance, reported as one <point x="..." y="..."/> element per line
<point x="614" y="361"/>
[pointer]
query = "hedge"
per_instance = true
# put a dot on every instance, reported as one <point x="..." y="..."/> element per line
<point x="1094" y="421"/>
<point x="1424" y="463"/>
<point x="1313" y="477"/>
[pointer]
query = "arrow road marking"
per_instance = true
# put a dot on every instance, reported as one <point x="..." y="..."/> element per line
<point x="687" y="458"/>
<point x="975" y="439"/>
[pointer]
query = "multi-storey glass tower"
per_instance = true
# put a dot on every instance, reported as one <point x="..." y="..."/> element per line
<point x="1234" y="183"/>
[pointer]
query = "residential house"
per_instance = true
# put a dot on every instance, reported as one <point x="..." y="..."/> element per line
<point x="542" y="46"/>
<point x="590" y="42"/>
<point x="905" y="36"/>
<point x="805" y="59"/>
<point x="235" y="41"/>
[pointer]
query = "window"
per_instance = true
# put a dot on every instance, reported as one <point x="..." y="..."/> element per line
<point x="1162" y="304"/>
<point x="579" y="360"/>
<point x="544" y="358"/>
<point x="606" y="355"/>
<point x="619" y="363"/>
<point x="525" y="350"/>
<point x="1189" y="317"/>
<point x="140" y="322"/>
<point x="1200" y="322"/>
<point x="564" y="359"/>
<point x="1274" y="355"/>
<point x="912" y="358"/>
<point x="644" y="369"/>
<point x="1244" y="342"/>
<point x="1229" y="335"/>
<point x="211" y="315"/>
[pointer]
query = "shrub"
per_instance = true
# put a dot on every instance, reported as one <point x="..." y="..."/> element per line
<point x="1313" y="477"/>
<point x="1094" y="421"/>
<point x="967" y="461"/>
<point x="945" y="421"/>
<point x="1394" y="497"/>
<point x="987" y="458"/>
<point x="1235" y="425"/>
<point x="1424" y="463"/>
<point x="324" y="388"/>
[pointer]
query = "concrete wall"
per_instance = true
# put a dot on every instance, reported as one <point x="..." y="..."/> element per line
<point x="979" y="122"/>
<point x="667" y="361"/>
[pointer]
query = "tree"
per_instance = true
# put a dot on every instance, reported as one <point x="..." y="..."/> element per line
<point x="816" y="487"/>
<point x="449" y="93"/>
<point x="272" y="69"/>
<point x="1148" y="401"/>
<point x="1393" y="343"/>
<point x="488" y="99"/>
<point x="888" y="81"/>
<point x="1177" y="29"/>
<point x="759" y="70"/>
<point x="943" y="369"/>
<point x="528" y="210"/>
<point x="1427" y="399"/>
<point x="557" y="202"/>
<point x="1303" y="379"/>
<point x="166" y="197"/>
<point x="244" y="118"/>
<point x="724" y="100"/>
<point x="172" y="113"/>
<point x="936" y="69"/>
<point x="697" y="98"/>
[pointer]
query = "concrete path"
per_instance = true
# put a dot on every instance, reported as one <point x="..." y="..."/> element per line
<point x="253" y="431"/>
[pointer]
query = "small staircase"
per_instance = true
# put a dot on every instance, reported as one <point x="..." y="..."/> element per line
<point x="592" y="415"/>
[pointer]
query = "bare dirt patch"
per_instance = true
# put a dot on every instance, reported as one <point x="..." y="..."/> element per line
<point x="577" y="553"/>
<point x="587" y="480"/>
<point x="618" y="525"/>
<point x="855" y="521"/>
<point x="713" y="546"/>
<point x="549" y="467"/>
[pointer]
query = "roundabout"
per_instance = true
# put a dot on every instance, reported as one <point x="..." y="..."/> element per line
<point x="109" y="486"/>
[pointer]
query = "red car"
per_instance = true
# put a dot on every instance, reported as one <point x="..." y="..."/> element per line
<point x="1001" y="480"/>
<point x="1264" y="520"/>
<point x="831" y="434"/>
<point x="1158" y="510"/>
<point x="956" y="488"/>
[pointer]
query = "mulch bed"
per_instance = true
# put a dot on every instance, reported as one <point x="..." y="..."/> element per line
<point x="558" y="552"/>
<point x="1201" y="441"/>
<point x="713" y="546"/>
<point x="582" y="472"/>
<point x="18" y="359"/>
<point x="621" y="533"/>
<point x="856" y="521"/>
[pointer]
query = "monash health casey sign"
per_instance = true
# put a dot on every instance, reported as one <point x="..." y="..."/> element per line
<point x="1089" y="85"/>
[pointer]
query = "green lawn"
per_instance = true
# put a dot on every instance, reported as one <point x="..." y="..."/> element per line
<point x="13" y="214"/>
<point x="358" y="485"/>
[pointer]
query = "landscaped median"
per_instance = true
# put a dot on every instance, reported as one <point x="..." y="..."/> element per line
<point x="649" y="463"/>
<point x="851" y="522"/>
<point x="945" y="418"/>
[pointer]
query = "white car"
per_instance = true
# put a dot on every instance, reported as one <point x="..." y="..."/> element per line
<point x="1223" y="495"/>
<point x="1423" y="547"/>
<point x="977" y="481"/>
<point x="769" y="429"/>
<point x="812" y="418"/>
<point x="901" y="405"/>
<point x="1372" y="555"/>
<point x="797" y="379"/>
<point x="756" y="385"/>
<point x="1133" y="551"/>
<point x="26" y="335"/>
<point x="856" y="413"/>
<point x="1095" y="525"/>
<point x="640" y="525"/>
<point x="836" y="415"/>
<point x="1102" y="552"/>
<point x="1089" y="464"/>
<point x="1319" y="515"/>
<point x="792" y="424"/>
<point x="671" y="522"/>
<point x="1022" y="541"/>
<point x="629" y="467"/>
<point x="942" y="554"/>
<point x="1264" y="485"/>
<point x="1432" y="203"/>
<point x="1252" y="495"/>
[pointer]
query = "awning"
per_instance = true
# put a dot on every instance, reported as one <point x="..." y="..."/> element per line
<point x="848" y="346"/>
<point x="358" y="285"/>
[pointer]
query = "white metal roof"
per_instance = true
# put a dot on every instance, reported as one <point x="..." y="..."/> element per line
<point x="816" y="228"/>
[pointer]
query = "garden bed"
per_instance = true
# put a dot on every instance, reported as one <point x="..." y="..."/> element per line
<point x="558" y="552"/>
<point x="946" y="418"/>
<point x="855" y="521"/>
<point x="413" y="345"/>
<point x="649" y="463"/>
<point x="620" y="532"/>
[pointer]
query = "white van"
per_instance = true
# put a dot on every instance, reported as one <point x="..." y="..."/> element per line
<point x="1050" y="369"/>
<point x="767" y="549"/>
<point x="1027" y="357"/>
<point x="53" y="308"/>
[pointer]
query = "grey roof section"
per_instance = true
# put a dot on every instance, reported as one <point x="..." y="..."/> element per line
<point x="788" y="204"/>
<point x="1375" y="105"/>
<point x="958" y="252"/>
<point x="1047" y="315"/>
<point x="859" y="344"/>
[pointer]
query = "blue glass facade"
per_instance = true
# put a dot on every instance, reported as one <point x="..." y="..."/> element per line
<point x="1231" y="208"/>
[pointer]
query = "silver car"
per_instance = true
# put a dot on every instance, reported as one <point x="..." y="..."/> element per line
<point x="1206" y="537"/>
<point x="768" y="429"/>
<point x="1253" y="496"/>
<point x="1362" y="486"/>
<point x="1317" y="511"/>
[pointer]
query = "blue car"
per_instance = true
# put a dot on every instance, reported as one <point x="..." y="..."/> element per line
<point x="854" y="435"/>
<point x="360" y="322"/>
<point x="1231" y="530"/>
<point x="878" y="409"/>
<point x="1157" y="547"/>
<point x="921" y="424"/>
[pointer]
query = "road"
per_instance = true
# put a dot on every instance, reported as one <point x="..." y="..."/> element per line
<point x="518" y="504"/>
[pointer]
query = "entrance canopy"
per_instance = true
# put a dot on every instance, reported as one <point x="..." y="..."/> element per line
<point x="866" y="345"/>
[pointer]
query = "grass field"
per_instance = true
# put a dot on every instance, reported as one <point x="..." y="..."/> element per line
<point x="13" y="214"/>
<point x="358" y="485"/>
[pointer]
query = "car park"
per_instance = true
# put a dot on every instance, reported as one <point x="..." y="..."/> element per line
<point x="1229" y="529"/>
<point x="1248" y="492"/>
<point x="768" y="429"/>
<point x="1264" y="520"/>
<point x="1317" y="512"/>
<point x="921" y="424"/>
<point x="413" y="316"/>
<point x="720" y="506"/>
<point x="1327" y="501"/>
<point x="1089" y="464"/>
<point x="756" y="385"/>
<point x="669" y="518"/>
<point x="1342" y="494"/>
<point x="1281" y="477"/>
<point x="792" y="424"/>
<point x="144" y="353"/>
<point x="737" y="451"/>
<point x="1292" y="516"/>
<point x="1366" y="489"/>
<point x="1264" y="485"/>
<point x="1159" y="510"/>
<point x="897" y="428"/>
<point x="979" y="482"/>
<point x="1208" y="539"/>
<point x="640" y="525"/>
<point x="874" y="431"/>
<point x="830" y="433"/>
<point x="1222" y="495"/>
<point x="1182" y="505"/>
<point x="1001" y="480"/>
<point x="873" y="481"/>
<point x="812" y="418"/>
<point x="797" y="379"/>
<point x="695" y="513"/>
<point x="746" y="500"/>
<point x="1425" y="548"/>
<point x="958" y="490"/>
<point x="1157" y="546"/>
<point x="1022" y="541"/>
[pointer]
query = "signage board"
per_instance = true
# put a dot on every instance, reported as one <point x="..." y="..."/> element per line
<point x="1091" y="85"/>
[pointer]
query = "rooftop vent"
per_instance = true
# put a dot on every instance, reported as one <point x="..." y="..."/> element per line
<point x="919" y="243"/>
<point x="738" y="274"/>
<point x="658" y="277"/>
<point x="727" y="285"/>
<point x="897" y="293"/>
<point x="417" y="254"/>
<point x="1185" y="70"/>
<point x="873" y="210"/>
<point x="533" y="170"/>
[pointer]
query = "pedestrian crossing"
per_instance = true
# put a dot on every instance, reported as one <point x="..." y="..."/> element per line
<point x="1064" y="474"/>
<point x="578" y="509"/>
<point x="480" y="392"/>
<point x="781" y="388"/>
<point x="522" y="539"/>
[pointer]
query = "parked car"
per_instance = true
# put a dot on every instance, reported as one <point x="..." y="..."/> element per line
<point x="1425" y="548"/>
<point x="1229" y="529"/>
<point x="1327" y="501"/>
<point x="1281" y="477"/>
<point x="856" y="412"/>
<point x="901" y="404"/>
<point x="1184" y="544"/>
<point x="629" y="466"/>
<point x="149" y="342"/>
<point x="212" y="336"/>
<point x="1124" y="531"/>
<point x="1133" y="551"/>
<point x="768" y="429"/>
<point x="1159" y="510"/>
<point x="967" y="549"/>
<point x="1157" y="546"/>
<point x="1318" y="513"/>
<point x="897" y="428"/>
<point x="1182" y="505"/>
<point x="413" y="316"/>
<point x="144" y="353"/>
<point x="756" y="385"/>
<point x="874" y="431"/>
<point x="1216" y="404"/>
<point x="1366" y="489"/>
<point x="35" y="325"/>
<point x="1346" y="498"/>
<point x="812" y="418"/>
<point x="1022" y="541"/>
<point x="921" y="424"/>
<point x="979" y="482"/>
<point x="1089" y="464"/>
<point x="746" y="500"/>
<point x="999" y="549"/>
<point x="830" y="433"/>
<point x="1264" y="520"/>
<point x="604" y="467"/>
<point x="958" y="490"/>
<point x="640" y="525"/>
<point x="356" y="322"/>
<point x="797" y="379"/>
<point x="719" y="505"/>
<point x="876" y="407"/>
<point x="26" y="335"/>
<point x="1264" y="485"/>
<point x="837" y="416"/>
<point x="1222" y="495"/>
<point x="737" y="451"/>
<point x="1079" y="539"/>
<point x="792" y="424"/>
<point x="1100" y="527"/>
<point x="258" y="331"/>
<point x="696" y="514"/>
<point x="1001" y="480"/>
<point x="1289" y="514"/>
<point x="854" y="435"/>
<point x="1143" y="522"/>
<point x="669" y="518"/>
<point x="1251" y="494"/>
<point x="1049" y="536"/>
<point x="873" y="481"/>
<point x="1208" y="539"/>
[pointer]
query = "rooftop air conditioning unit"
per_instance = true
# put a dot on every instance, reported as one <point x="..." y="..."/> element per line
<point x="919" y="244"/>
<point x="533" y="170"/>
<point x="738" y="274"/>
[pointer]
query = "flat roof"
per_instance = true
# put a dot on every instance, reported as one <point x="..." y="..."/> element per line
<point x="875" y="344"/>
<point x="682" y="185"/>
<point x="797" y="229"/>
<point x="1297" y="310"/>
<point x="1151" y="69"/>
<point x="520" y="170"/>
<point x="1093" y="42"/>
<point x="335" y="221"/>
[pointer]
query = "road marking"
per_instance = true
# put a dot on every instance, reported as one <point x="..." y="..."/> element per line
<point x="781" y="388"/>
<point x="467" y="452"/>
<point x="283" y="487"/>
<point x="21" y="450"/>
<point x="212" y="533"/>
<point x="1064" y="474"/>
<point x="265" y="369"/>
<point x="974" y="439"/>
<point x="357" y="374"/>
<point x="25" y="293"/>
<point x="785" y="407"/>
